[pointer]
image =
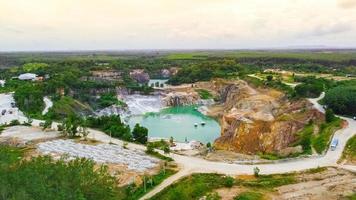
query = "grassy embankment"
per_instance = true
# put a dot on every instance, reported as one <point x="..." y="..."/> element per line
<point x="349" y="152"/>
<point x="133" y="192"/>
<point x="204" y="184"/>
<point x="204" y="94"/>
<point x="321" y="141"/>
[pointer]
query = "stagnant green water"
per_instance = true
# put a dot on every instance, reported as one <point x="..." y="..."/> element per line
<point x="178" y="122"/>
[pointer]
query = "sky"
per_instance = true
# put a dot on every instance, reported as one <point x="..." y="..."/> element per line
<point x="51" y="25"/>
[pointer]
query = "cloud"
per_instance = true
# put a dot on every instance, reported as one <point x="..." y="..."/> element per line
<point x="329" y="29"/>
<point x="346" y="4"/>
<point x="121" y="24"/>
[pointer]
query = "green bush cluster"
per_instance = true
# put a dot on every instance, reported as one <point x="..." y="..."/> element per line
<point x="342" y="100"/>
<point x="112" y="125"/>
<point x="321" y="141"/>
<point x="44" y="178"/>
<point x="29" y="98"/>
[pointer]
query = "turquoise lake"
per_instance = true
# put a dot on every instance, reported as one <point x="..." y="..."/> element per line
<point x="178" y="122"/>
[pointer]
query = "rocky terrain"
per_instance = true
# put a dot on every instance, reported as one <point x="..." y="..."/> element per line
<point x="181" y="98"/>
<point x="258" y="120"/>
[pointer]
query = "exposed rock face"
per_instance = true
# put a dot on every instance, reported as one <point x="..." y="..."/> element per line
<point x="259" y="120"/>
<point x="165" y="73"/>
<point x="181" y="98"/>
<point x="140" y="76"/>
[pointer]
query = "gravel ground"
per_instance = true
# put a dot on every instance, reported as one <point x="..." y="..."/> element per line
<point x="28" y="133"/>
<point x="103" y="153"/>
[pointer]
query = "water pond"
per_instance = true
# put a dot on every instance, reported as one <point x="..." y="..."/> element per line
<point x="179" y="122"/>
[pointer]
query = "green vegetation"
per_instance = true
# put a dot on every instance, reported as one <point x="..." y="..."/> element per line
<point x="140" y="134"/>
<point x="161" y="144"/>
<point x="150" y="150"/>
<point x="29" y="98"/>
<point x="309" y="90"/>
<point x="67" y="106"/>
<point x="249" y="196"/>
<point x="133" y="192"/>
<point x="321" y="141"/>
<point x="34" y="67"/>
<point x="204" y="94"/>
<point x="342" y="99"/>
<point x="277" y="56"/>
<point x="44" y="178"/>
<point x="205" y="71"/>
<point x="199" y="185"/>
<point x="10" y="85"/>
<point x="111" y="125"/>
<point x="269" y="181"/>
<point x="329" y="115"/>
<point x="108" y="99"/>
<point x="349" y="152"/>
<point x="351" y="197"/>
<point x="305" y="138"/>
<point x="203" y="184"/>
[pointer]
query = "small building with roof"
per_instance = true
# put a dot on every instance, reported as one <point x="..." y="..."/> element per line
<point x="27" y="77"/>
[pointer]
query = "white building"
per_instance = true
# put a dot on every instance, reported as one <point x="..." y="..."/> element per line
<point x="28" y="76"/>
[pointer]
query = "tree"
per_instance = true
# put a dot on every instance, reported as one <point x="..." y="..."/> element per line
<point x="70" y="126"/>
<point x="329" y="115"/>
<point x="342" y="100"/>
<point x="229" y="182"/>
<point x="140" y="134"/>
<point x="256" y="171"/>
<point x="29" y="98"/>
<point x="150" y="148"/>
<point x="83" y="129"/>
<point x="166" y="149"/>
<point x="171" y="140"/>
<point x="47" y="124"/>
<point x="269" y="78"/>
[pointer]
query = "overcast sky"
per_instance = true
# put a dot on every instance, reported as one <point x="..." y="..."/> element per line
<point x="175" y="24"/>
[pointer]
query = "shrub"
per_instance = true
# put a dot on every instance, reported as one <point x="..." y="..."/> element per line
<point x="256" y="171"/>
<point x="342" y="100"/>
<point x="249" y="196"/>
<point x="140" y="134"/>
<point x="29" y="98"/>
<point x="14" y="122"/>
<point x="329" y="115"/>
<point x="44" y="178"/>
<point x="229" y="182"/>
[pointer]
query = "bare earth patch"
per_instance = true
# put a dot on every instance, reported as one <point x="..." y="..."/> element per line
<point x="331" y="183"/>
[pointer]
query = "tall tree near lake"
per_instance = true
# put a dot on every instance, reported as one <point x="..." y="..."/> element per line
<point x="140" y="134"/>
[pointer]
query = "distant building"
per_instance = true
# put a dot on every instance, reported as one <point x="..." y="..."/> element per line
<point x="28" y="77"/>
<point x="106" y="75"/>
<point x="140" y="76"/>
<point x="350" y="75"/>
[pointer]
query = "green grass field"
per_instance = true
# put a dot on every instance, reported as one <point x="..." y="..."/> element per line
<point x="349" y="152"/>
<point x="337" y="56"/>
